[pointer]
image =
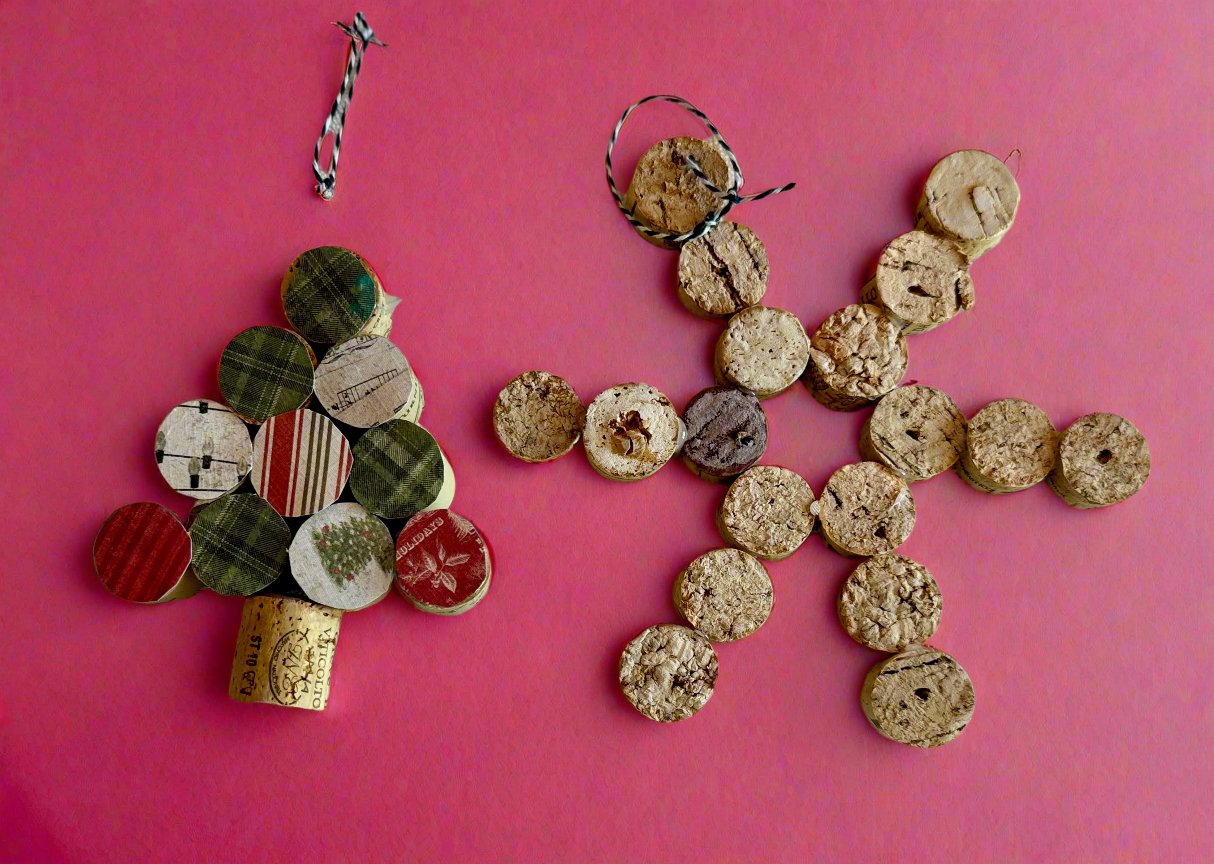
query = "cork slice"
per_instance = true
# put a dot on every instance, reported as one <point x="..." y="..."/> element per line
<point x="631" y="431"/>
<point x="1102" y="460"/>
<point x="726" y="432"/>
<point x="538" y="417"/>
<point x="203" y="449"/>
<point x="971" y="198"/>
<point x="768" y="512"/>
<point x="763" y="350"/>
<point x="856" y="357"/>
<point x="915" y="431"/>
<point x="443" y="565"/>
<point x="725" y="594"/>
<point x="284" y="653"/>
<point x="142" y="554"/>
<point x="865" y="510"/>
<point x="889" y="603"/>
<point x="240" y="544"/>
<point x="330" y="294"/>
<point x="266" y="371"/>
<point x="1010" y="445"/>
<point x="921" y="697"/>
<point x="300" y="462"/>
<point x="723" y="272"/>
<point x="665" y="194"/>
<point x="399" y="470"/>
<point x="668" y="672"/>
<point x="342" y="557"/>
<point x="366" y="381"/>
<point x="922" y="281"/>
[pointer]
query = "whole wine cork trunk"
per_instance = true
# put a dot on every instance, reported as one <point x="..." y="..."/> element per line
<point x="915" y="431"/>
<point x="856" y="357"/>
<point x="723" y="272"/>
<point x="1102" y="460"/>
<point x="921" y="697"/>
<point x="971" y="198"/>
<point x="1010" y="445"/>
<point x="922" y="281"/>
<point x="284" y="653"/>
<point x="665" y="193"/>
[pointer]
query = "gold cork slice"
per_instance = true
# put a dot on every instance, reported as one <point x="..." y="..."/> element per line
<point x="763" y="350"/>
<point x="922" y="281"/>
<point x="1010" y="445"/>
<point x="865" y="510"/>
<point x="890" y="602"/>
<point x="668" y="672"/>
<point x="665" y="194"/>
<point x="971" y="198"/>
<point x="768" y="512"/>
<point x="631" y="431"/>
<point x="1102" y="460"/>
<point x="921" y="697"/>
<point x="723" y="272"/>
<point x="726" y="594"/>
<point x="284" y="653"/>
<point x="538" y="417"/>
<point x="856" y="357"/>
<point x="915" y="431"/>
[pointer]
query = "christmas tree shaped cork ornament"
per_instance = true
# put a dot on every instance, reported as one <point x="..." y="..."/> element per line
<point x="865" y="510"/>
<point x="668" y="672"/>
<point x="922" y="281"/>
<point x="915" y="431"/>
<point x="725" y="594"/>
<point x="768" y="511"/>
<point x="203" y="449"/>
<point x="632" y="430"/>
<point x="856" y="357"/>
<point x="921" y="697"/>
<point x="142" y="554"/>
<point x="284" y="653"/>
<point x="538" y="417"/>
<point x="330" y="294"/>
<point x="443" y="565"/>
<point x="723" y="272"/>
<point x="266" y="371"/>
<point x="666" y="195"/>
<point x="342" y="557"/>
<point x="240" y="544"/>
<point x="971" y="198"/>
<point x="300" y="462"/>
<point x="400" y="470"/>
<point x="889" y="603"/>
<point x="726" y="432"/>
<point x="366" y="381"/>
<point x="763" y="350"/>
<point x="1010" y="445"/>
<point x="1102" y="460"/>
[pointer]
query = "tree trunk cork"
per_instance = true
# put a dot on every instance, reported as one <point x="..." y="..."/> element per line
<point x="768" y="512"/>
<point x="665" y="193"/>
<point x="971" y="198"/>
<point x="284" y="653"/>
<point x="668" y="672"/>
<point x="726" y="432"/>
<point x="856" y="357"/>
<point x="865" y="510"/>
<point x="631" y="431"/>
<point x="763" y="350"/>
<point x="1102" y="460"/>
<point x="921" y="697"/>
<point x="922" y="281"/>
<point x="889" y="603"/>
<point x="538" y="417"/>
<point x="1010" y="445"/>
<point x="723" y="272"/>
<point x="725" y="594"/>
<point x="915" y="431"/>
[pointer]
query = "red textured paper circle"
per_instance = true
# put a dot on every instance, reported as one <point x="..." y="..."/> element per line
<point x="441" y="559"/>
<point x="141" y="552"/>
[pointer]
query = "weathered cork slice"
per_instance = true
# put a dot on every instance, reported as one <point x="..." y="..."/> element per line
<point x="665" y="194"/>
<point x="768" y="512"/>
<point x="856" y="357"/>
<point x="343" y="557"/>
<point x="921" y="697"/>
<point x="865" y="510"/>
<point x="366" y="381"/>
<point x="538" y="417"/>
<point x="763" y="350"/>
<point x="726" y="432"/>
<point x="203" y="449"/>
<point x="726" y="594"/>
<point x="284" y="653"/>
<point x="723" y="272"/>
<point x="915" y="431"/>
<point x="890" y="602"/>
<point x="631" y="431"/>
<point x="971" y="198"/>
<point x="922" y="281"/>
<point x="1102" y="460"/>
<point x="668" y="672"/>
<point x="1010" y="445"/>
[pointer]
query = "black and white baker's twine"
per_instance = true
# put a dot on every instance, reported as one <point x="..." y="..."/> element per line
<point x="361" y="35"/>
<point x="727" y="197"/>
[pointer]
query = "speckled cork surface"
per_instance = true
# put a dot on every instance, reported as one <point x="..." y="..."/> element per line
<point x="1102" y="460"/>
<point x="726" y="432"/>
<point x="723" y="272"/>
<point x="538" y="417"/>
<point x="768" y="511"/>
<point x="970" y="197"/>
<point x="921" y="697"/>
<point x="922" y="281"/>
<point x="890" y="602"/>
<point x="866" y="509"/>
<point x="915" y="431"/>
<point x="857" y="356"/>
<point x="666" y="195"/>
<point x="725" y="594"/>
<point x="1010" y="445"/>
<point x="763" y="350"/>
<point x="668" y="672"/>
<point x="631" y="431"/>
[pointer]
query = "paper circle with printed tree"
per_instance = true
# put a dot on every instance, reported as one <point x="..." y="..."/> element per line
<point x="443" y="565"/>
<point x="301" y="462"/>
<point x="266" y="371"/>
<point x="400" y="470"/>
<point x="142" y="554"/>
<point x="203" y="449"/>
<point x="342" y="557"/>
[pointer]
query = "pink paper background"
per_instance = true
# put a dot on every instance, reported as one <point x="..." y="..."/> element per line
<point x="156" y="185"/>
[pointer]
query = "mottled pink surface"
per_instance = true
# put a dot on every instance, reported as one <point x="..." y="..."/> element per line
<point x="157" y="184"/>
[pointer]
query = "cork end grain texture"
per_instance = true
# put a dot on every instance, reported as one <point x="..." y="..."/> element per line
<point x="723" y="272"/>
<point x="915" y="431"/>
<point x="763" y="350"/>
<point x="922" y="281"/>
<point x="1102" y="460"/>
<point x="665" y="193"/>
<point x="538" y="417"/>
<point x="890" y="602"/>
<point x="768" y="512"/>
<point x="865" y="510"/>
<point x="668" y="672"/>
<point x="1010" y="445"/>
<point x="631" y="431"/>
<point x="725" y="594"/>
<point x="970" y="197"/>
<point x="921" y="697"/>
<point x="857" y="356"/>
<point x="726" y="432"/>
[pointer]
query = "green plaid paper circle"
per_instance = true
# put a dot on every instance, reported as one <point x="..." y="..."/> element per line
<point x="398" y="469"/>
<point x="328" y="294"/>
<point x="266" y="371"/>
<point x="240" y="544"/>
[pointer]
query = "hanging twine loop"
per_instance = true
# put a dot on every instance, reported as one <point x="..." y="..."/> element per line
<point x="361" y="36"/>
<point x="727" y="198"/>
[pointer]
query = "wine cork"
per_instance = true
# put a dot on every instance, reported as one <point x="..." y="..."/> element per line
<point x="266" y="371"/>
<point x="922" y="281"/>
<point x="284" y="653"/>
<point x="921" y="697"/>
<point x="971" y="198"/>
<point x="763" y="350"/>
<point x="443" y="565"/>
<point x="1102" y="460"/>
<point x="330" y="294"/>
<point x="631" y="431"/>
<point x="341" y="557"/>
<point x="915" y="431"/>
<point x="725" y="594"/>
<point x="203" y="449"/>
<point x="726" y="432"/>
<point x="889" y="603"/>
<point x="300" y="462"/>
<point x="366" y="381"/>
<point x="538" y="417"/>
<point x="768" y="512"/>
<point x="240" y="544"/>
<point x="400" y="470"/>
<point x="1010" y="445"/>
<point x="723" y="272"/>
<point x="856" y="357"/>
<point x="668" y="672"/>
<point x="665" y="194"/>
<point x="865" y="510"/>
<point x="142" y="554"/>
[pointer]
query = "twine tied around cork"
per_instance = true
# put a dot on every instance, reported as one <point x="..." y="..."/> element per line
<point x="727" y="198"/>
